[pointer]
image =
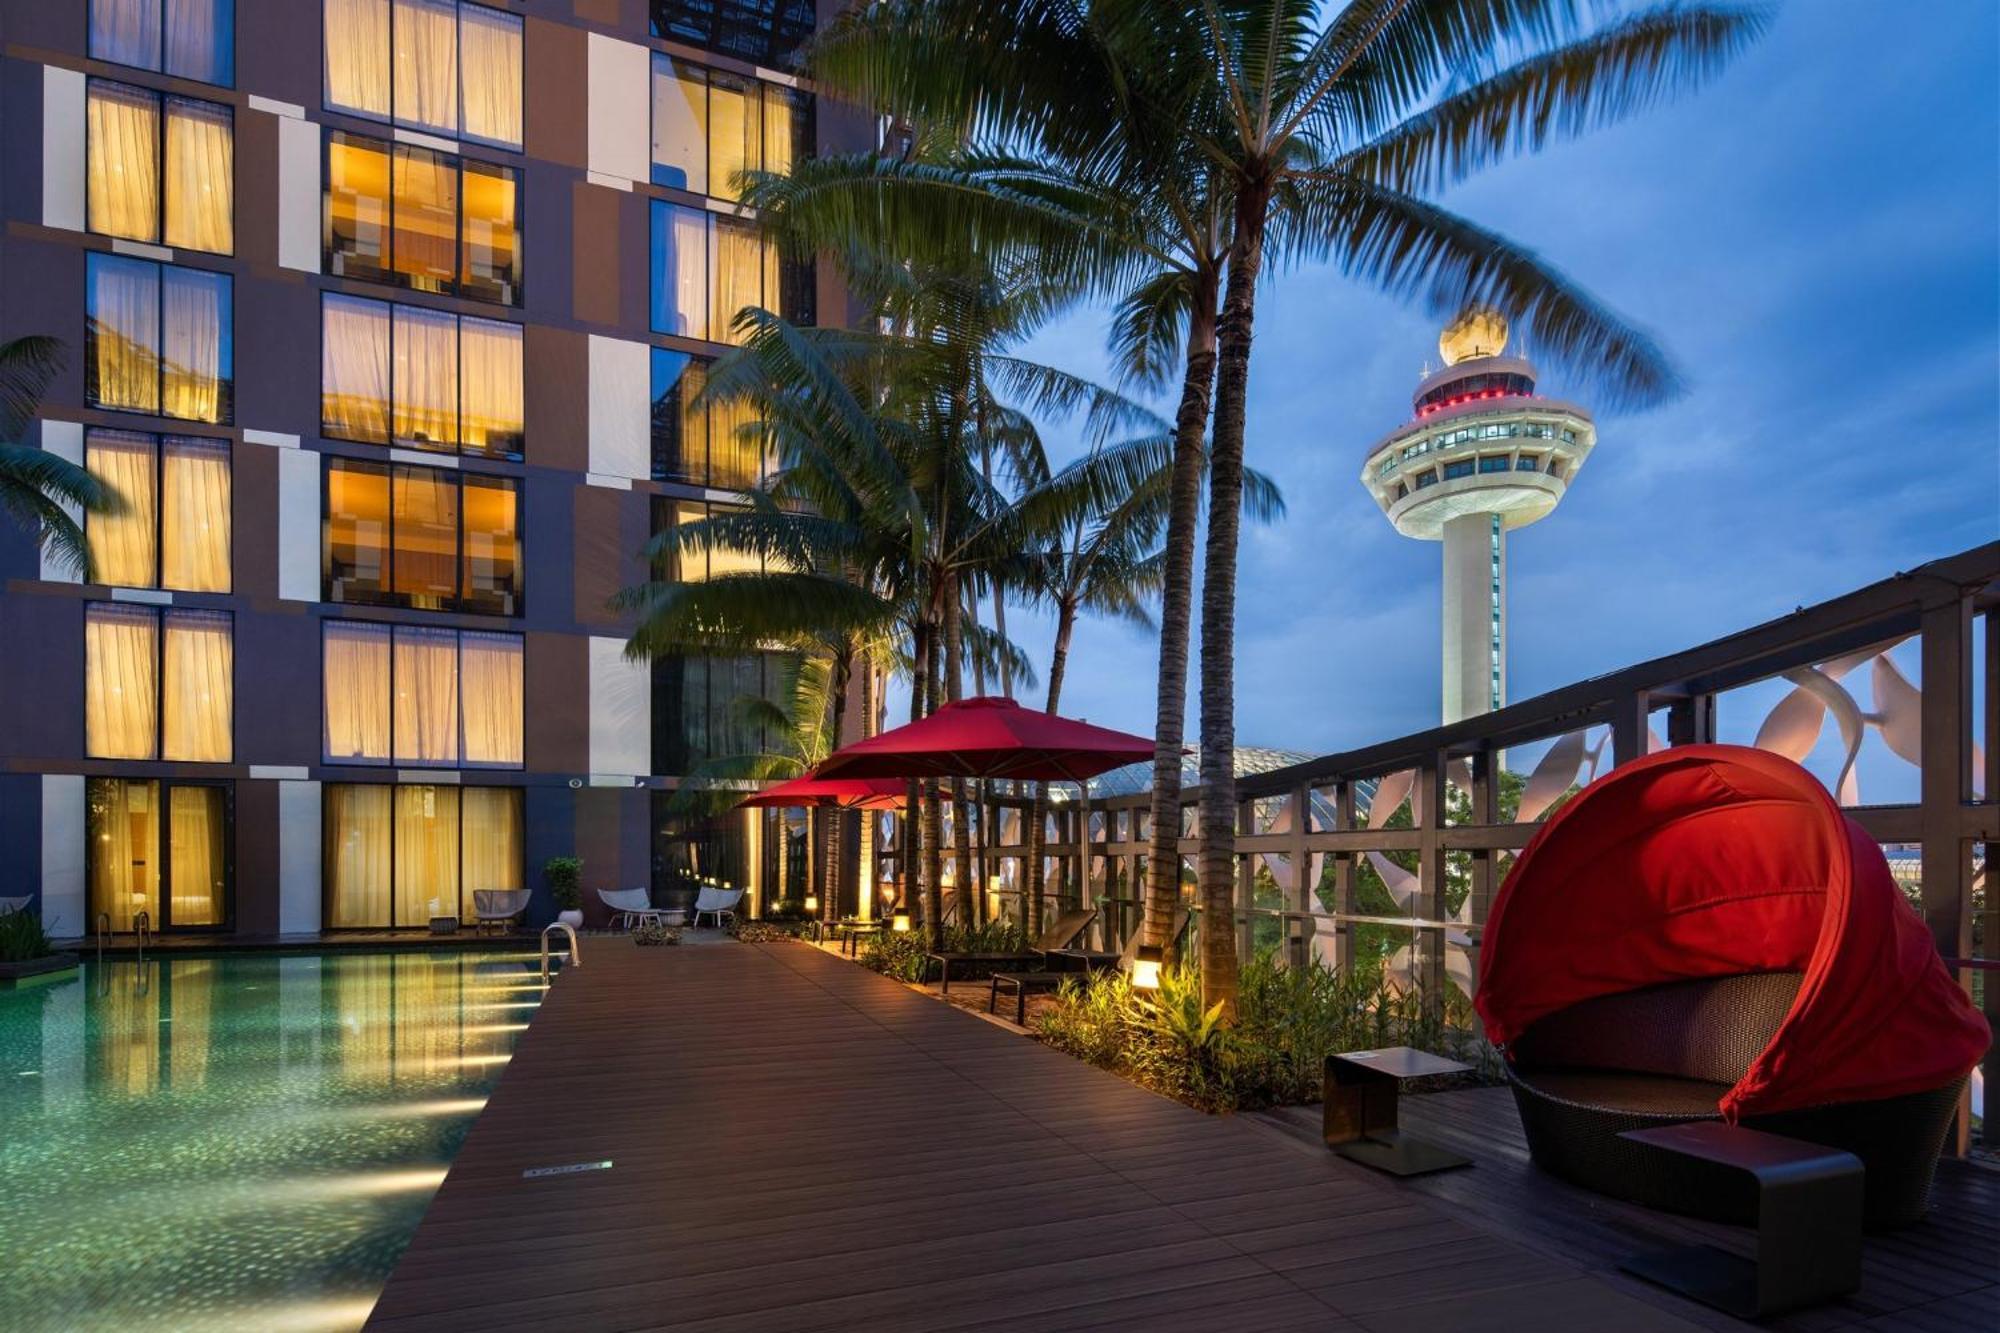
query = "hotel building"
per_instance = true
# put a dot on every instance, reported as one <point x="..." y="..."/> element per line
<point x="384" y="316"/>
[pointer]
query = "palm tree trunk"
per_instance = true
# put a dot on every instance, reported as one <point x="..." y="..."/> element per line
<point x="1039" y="814"/>
<point x="1218" y="610"/>
<point x="961" y="833"/>
<point x="843" y="673"/>
<point x="1163" y="860"/>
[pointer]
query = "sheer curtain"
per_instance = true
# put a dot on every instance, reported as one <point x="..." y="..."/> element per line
<point x="121" y="686"/>
<point x="426" y="683"/>
<point x="427" y="64"/>
<point x="354" y="369"/>
<point x="195" y="859"/>
<point x="732" y="134"/>
<point x="201" y="176"/>
<point x="123" y="329"/>
<point x="426" y="378"/>
<point x="493" y="843"/>
<point x="122" y="545"/>
<point x="126" y="32"/>
<point x="426" y="853"/>
<point x="195" y="350"/>
<point x="737" y="275"/>
<point x="490" y="386"/>
<point x="680" y="270"/>
<point x="124" y="850"/>
<point x="123" y="165"/>
<point x="490" y="61"/>
<point x="200" y="687"/>
<point x="201" y="40"/>
<point x="357" y="56"/>
<point x="358" y="853"/>
<point x="195" y="524"/>
<point x="355" y="685"/>
<point x="491" y="683"/>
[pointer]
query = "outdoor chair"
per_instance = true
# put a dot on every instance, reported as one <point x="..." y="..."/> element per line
<point x="718" y="903"/>
<point x="1702" y="934"/>
<point x="499" y="908"/>
<point x="1068" y="928"/>
<point x="630" y="907"/>
<point x="11" y="905"/>
<point x="1023" y="984"/>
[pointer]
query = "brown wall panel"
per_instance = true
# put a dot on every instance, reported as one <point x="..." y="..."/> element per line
<point x="557" y="679"/>
<point x="558" y="410"/>
<point x="256" y="831"/>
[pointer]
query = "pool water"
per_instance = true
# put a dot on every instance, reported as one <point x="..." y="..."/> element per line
<point x="243" y="1141"/>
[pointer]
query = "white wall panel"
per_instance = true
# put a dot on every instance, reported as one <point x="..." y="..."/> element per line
<point x="298" y="195"/>
<point x="620" y="407"/>
<point x="299" y="857"/>
<point x="620" y="114"/>
<point x="298" y="525"/>
<point x="62" y="148"/>
<point x="65" y="910"/>
<point x="621" y="711"/>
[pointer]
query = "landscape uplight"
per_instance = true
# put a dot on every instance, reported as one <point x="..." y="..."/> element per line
<point x="1146" y="968"/>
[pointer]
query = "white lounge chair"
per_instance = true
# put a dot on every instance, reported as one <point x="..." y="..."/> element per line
<point x="8" y="905"/>
<point x="718" y="903"/>
<point x="631" y="907"/>
<point x="497" y="907"/>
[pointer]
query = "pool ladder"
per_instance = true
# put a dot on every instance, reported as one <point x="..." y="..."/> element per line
<point x="142" y="930"/>
<point x="575" y="958"/>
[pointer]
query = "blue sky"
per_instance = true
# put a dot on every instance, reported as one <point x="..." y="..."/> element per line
<point x="1815" y="239"/>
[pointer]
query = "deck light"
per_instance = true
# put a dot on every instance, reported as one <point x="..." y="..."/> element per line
<point x="900" y="921"/>
<point x="1146" y="968"/>
<point x="812" y="902"/>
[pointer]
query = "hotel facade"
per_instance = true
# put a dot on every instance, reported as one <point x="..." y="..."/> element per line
<point x="385" y="317"/>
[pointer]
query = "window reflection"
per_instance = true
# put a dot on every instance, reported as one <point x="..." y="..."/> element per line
<point x="157" y="339"/>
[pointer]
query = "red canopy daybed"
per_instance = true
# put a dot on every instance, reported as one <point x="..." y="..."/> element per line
<point x="1704" y="932"/>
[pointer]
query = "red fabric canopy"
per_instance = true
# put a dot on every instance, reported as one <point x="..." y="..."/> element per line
<point x="1714" y="860"/>
<point x="847" y="793"/>
<point x="990" y="738"/>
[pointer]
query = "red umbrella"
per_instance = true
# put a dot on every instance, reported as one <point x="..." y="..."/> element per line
<point x="990" y="738"/>
<point x="846" y="793"/>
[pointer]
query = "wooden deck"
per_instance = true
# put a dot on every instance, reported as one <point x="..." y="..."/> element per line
<point x="799" y="1144"/>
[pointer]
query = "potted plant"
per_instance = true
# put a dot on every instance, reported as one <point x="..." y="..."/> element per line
<point x="564" y="876"/>
<point x="25" y="950"/>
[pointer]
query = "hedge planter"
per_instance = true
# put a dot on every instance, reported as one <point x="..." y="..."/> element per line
<point x="51" y="967"/>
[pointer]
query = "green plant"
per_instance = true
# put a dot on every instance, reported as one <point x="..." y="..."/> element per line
<point x="901" y="954"/>
<point x="764" y="932"/>
<point x="564" y="876"/>
<point x="22" y="938"/>
<point x="654" y="932"/>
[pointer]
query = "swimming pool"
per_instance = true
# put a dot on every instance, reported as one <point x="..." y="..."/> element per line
<point x="242" y="1141"/>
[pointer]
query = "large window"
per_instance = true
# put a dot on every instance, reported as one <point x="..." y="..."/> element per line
<point x="701" y="443"/>
<point x="422" y="379"/>
<point x="414" y="217"/>
<point x="175" y="187"/>
<point x="706" y="268"/>
<point x="398" y="856"/>
<point x="158" y="684"/>
<point x="175" y="527"/>
<point x="434" y="64"/>
<point x="707" y="126"/>
<point x="412" y="695"/>
<point x="422" y="537"/>
<point x="161" y="848"/>
<point x="189" y="39"/>
<point x="157" y="340"/>
<point x="698" y="707"/>
<point x="765" y="32"/>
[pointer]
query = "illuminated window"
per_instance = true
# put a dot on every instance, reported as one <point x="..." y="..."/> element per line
<point x="415" y="695"/>
<point x="426" y="538"/>
<point x="157" y="339"/>
<point x="422" y="379"/>
<point x="174" y="531"/>
<point x="417" y="218"/>
<point x="707" y="126"/>
<point x="141" y="842"/>
<point x="401" y="855"/>
<point x="705" y="269"/>
<point x="157" y="684"/>
<point x="434" y="64"/>
<point x="189" y="39"/>
<point x="143" y="185"/>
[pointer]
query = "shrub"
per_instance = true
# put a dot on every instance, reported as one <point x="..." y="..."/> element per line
<point x="763" y="932"/>
<point x="22" y="938"/>
<point x="654" y="932"/>
<point x="564" y="875"/>
<point x="901" y="954"/>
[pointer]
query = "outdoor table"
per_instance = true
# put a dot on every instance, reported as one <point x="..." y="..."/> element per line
<point x="1080" y="960"/>
<point x="1809" y="1208"/>
<point x="1362" y="1089"/>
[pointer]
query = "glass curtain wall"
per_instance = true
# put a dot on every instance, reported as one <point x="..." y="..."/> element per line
<point x="420" y="379"/>
<point x="161" y="848"/>
<point x="415" y="696"/>
<point x="400" y="855"/>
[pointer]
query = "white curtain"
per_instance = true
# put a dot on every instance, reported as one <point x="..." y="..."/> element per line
<point x="426" y="853"/>
<point x="491" y="686"/>
<point x="122" y="829"/>
<point x="126" y="32"/>
<point x="121" y="684"/>
<point x="490" y="386"/>
<point x="122" y="545"/>
<point x="123" y="161"/>
<point x="490" y="64"/>
<point x="426" y="684"/>
<point x="426" y="378"/>
<point x="427" y="64"/>
<point x="732" y="134"/>
<point x="195" y="519"/>
<point x="355" y="686"/>
<point x="195" y="369"/>
<point x="358" y="842"/>
<point x="357" y="56"/>
<point x="781" y="127"/>
<point x="493" y="842"/>
<point x="201" y="37"/>
<point x="195" y="860"/>
<point x="736" y="273"/>
<point x="124" y="332"/>
<point x="680" y="125"/>
<point x="200" y="677"/>
<point x="201" y="189"/>
<point x="354" y="369"/>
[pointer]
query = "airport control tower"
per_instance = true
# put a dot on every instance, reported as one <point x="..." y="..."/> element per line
<point x="1484" y="454"/>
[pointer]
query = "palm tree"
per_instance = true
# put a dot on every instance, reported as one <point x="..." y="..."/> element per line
<point x="1331" y="133"/>
<point x="37" y="488"/>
